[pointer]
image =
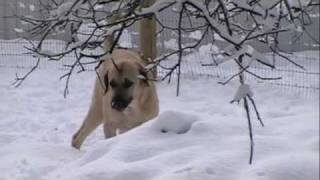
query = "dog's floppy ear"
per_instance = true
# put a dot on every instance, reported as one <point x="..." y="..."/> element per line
<point x="106" y="82"/>
<point x="103" y="81"/>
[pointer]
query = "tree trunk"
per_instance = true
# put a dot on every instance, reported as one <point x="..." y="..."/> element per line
<point x="148" y="36"/>
<point x="110" y="39"/>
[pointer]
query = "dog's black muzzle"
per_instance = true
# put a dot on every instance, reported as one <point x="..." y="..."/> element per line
<point x="120" y="104"/>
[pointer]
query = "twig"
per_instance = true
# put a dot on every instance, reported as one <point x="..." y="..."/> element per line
<point x="256" y="110"/>
<point x="20" y="80"/>
<point x="246" y="107"/>
<point x="180" y="48"/>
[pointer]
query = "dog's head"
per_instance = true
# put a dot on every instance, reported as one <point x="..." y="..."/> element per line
<point x="124" y="81"/>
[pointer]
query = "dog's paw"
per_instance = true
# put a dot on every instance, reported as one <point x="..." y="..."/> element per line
<point x="75" y="143"/>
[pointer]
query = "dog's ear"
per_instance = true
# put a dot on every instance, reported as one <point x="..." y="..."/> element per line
<point x="143" y="75"/>
<point x="106" y="82"/>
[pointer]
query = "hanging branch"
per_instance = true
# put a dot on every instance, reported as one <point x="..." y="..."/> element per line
<point x="179" y="47"/>
<point x="19" y="80"/>
<point x="246" y="108"/>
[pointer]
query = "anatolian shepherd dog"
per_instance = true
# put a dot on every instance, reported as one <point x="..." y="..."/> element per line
<point x="123" y="98"/>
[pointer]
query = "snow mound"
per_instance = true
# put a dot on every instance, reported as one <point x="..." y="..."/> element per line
<point x="146" y="148"/>
<point x="175" y="122"/>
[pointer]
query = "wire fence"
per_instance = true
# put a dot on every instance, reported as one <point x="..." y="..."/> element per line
<point x="197" y="64"/>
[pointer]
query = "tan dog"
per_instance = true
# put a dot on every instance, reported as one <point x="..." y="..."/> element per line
<point x="123" y="98"/>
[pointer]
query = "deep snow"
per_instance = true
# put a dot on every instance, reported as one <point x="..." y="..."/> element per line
<point x="206" y="137"/>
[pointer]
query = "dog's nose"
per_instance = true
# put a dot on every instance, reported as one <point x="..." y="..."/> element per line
<point x="120" y="104"/>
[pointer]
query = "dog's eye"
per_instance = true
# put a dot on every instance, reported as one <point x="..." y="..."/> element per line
<point x="113" y="84"/>
<point x="127" y="83"/>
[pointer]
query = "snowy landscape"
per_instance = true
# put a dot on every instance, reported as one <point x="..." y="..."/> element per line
<point x="224" y="57"/>
<point x="206" y="138"/>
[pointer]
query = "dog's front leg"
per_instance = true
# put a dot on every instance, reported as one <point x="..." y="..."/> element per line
<point x="91" y="122"/>
<point x="86" y="128"/>
<point x="114" y="125"/>
<point x="109" y="129"/>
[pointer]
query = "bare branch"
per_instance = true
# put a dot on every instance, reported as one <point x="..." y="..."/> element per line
<point x="20" y="80"/>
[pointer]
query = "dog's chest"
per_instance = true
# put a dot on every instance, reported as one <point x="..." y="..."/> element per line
<point x="127" y="115"/>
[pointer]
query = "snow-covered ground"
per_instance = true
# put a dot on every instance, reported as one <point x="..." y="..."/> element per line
<point x="206" y="139"/>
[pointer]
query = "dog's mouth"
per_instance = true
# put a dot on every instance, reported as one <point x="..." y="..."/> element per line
<point x="120" y="104"/>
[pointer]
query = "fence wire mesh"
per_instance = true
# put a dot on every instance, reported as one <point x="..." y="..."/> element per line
<point x="196" y="64"/>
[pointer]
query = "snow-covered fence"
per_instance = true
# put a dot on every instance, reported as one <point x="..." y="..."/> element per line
<point x="196" y="64"/>
<point x="306" y="82"/>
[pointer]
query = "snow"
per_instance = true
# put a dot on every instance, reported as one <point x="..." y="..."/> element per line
<point x="299" y="3"/>
<point x="62" y="9"/>
<point x="18" y="30"/>
<point x="198" y="135"/>
<point x="32" y="7"/>
<point x="21" y="5"/>
<point x="242" y="92"/>
<point x="174" y="122"/>
<point x="171" y="44"/>
<point x="195" y="35"/>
